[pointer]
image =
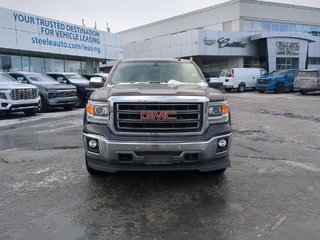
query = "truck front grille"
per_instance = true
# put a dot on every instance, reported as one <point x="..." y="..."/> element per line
<point x="59" y="94"/>
<point x="24" y="93"/>
<point x="158" y="117"/>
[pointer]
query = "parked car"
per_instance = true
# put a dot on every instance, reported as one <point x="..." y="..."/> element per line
<point x="84" y="89"/>
<point x="307" y="81"/>
<point x="241" y="78"/>
<point x="52" y="94"/>
<point x="278" y="81"/>
<point x="214" y="82"/>
<point x="17" y="97"/>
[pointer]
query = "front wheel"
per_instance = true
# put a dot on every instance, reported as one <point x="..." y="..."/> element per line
<point x="43" y="105"/>
<point x="92" y="171"/>
<point x="30" y="112"/>
<point x="68" y="108"/>
<point x="279" y="88"/>
<point x="241" y="87"/>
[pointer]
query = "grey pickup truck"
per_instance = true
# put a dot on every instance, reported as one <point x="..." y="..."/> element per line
<point x="156" y="115"/>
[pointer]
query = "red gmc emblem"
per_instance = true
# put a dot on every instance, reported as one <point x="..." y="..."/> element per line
<point x="161" y="116"/>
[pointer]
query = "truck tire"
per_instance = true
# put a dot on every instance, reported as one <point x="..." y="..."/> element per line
<point x="242" y="87"/>
<point x="261" y="91"/>
<point x="43" y="105"/>
<point x="279" y="88"/>
<point x="228" y="89"/>
<point x="68" y="108"/>
<point x="92" y="171"/>
<point x="30" y="112"/>
<point x="303" y="92"/>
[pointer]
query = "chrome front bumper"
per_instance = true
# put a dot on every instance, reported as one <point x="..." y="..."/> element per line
<point x="157" y="155"/>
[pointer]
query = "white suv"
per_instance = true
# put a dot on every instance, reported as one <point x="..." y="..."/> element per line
<point x="17" y="97"/>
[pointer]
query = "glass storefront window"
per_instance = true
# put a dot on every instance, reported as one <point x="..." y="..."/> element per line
<point x="73" y="66"/>
<point x="275" y="27"/>
<point x="283" y="27"/>
<point x="247" y="26"/>
<point x="37" y="65"/>
<point x="251" y="62"/>
<point x="10" y="63"/>
<point x="54" y="65"/>
<point x="25" y="64"/>
<point x="266" y="26"/>
<point x="257" y="26"/>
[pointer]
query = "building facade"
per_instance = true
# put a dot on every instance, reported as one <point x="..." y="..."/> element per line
<point x="238" y="33"/>
<point x="37" y="44"/>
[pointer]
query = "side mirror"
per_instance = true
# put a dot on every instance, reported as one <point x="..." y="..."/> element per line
<point x="97" y="82"/>
<point x="207" y="80"/>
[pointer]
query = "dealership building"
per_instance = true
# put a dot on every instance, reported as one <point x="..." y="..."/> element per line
<point x="37" y="44"/>
<point x="238" y="33"/>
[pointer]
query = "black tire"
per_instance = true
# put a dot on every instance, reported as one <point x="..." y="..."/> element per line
<point x="242" y="87"/>
<point x="92" y="171"/>
<point x="261" y="91"/>
<point x="303" y="92"/>
<point x="43" y="105"/>
<point x="30" y="112"/>
<point x="228" y="89"/>
<point x="279" y="88"/>
<point x="80" y="102"/>
<point x="68" y="108"/>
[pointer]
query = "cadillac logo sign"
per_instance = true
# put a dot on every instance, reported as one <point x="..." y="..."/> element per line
<point x="225" y="42"/>
<point x="209" y="42"/>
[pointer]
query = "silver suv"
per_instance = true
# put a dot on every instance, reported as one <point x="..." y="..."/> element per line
<point x="52" y="94"/>
<point x="17" y="97"/>
<point x="307" y="81"/>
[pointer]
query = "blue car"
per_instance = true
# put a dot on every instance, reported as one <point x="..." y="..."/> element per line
<point x="278" y="81"/>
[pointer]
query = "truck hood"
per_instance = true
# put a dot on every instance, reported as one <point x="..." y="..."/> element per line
<point x="15" y="85"/>
<point x="153" y="89"/>
<point x="57" y="86"/>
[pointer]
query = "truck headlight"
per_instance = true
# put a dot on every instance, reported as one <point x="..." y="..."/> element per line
<point x="218" y="112"/>
<point x="97" y="112"/>
<point x="3" y="95"/>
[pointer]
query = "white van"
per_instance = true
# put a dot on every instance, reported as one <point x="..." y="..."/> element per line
<point x="241" y="78"/>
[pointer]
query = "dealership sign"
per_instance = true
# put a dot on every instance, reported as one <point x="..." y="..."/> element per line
<point x="225" y="42"/>
<point x="27" y="32"/>
<point x="288" y="48"/>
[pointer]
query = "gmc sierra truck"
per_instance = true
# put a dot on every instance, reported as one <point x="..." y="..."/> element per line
<point x="156" y="115"/>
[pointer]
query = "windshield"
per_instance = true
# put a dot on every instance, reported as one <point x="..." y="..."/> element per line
<point x="40" y="78"/>
<point x="76" y="78"/>
<point x="6" y="78"/>
<point x="308" y="74"/>
<point x="277" y="73"/>
<point x="159" y="72"/>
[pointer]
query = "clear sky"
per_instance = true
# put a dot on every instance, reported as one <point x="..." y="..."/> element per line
<point x="120" y="14"/>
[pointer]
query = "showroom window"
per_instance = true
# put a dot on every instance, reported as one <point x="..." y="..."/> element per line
<point x="54" y="65"/>
<point x="267" y="26"/>
<point x="286" y="63"/>
<point x="37" y="65"/>
<point x="10" y="63"/>
<point x="251" y="62"/>
<point x="73" y="66"/>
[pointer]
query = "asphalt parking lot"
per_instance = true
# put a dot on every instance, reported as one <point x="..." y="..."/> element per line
<point x="270" y="192"/>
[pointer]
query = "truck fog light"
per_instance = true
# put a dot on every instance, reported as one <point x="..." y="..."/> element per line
<point x="92" y="143"/>
<point x="222" y="143"/>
